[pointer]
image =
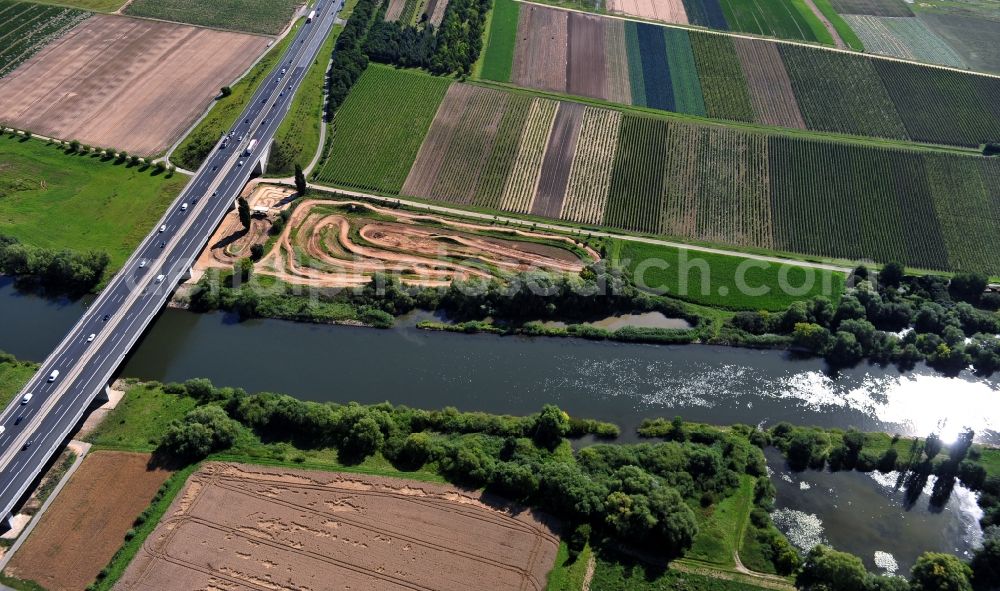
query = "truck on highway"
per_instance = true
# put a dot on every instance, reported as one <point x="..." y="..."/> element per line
<point x="311" y="16"/>
<point x="250" y="147"/>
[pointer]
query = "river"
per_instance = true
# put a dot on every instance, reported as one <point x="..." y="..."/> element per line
<point x="621" y="383"/>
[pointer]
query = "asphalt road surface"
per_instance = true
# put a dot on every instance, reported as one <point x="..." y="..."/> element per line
<point x="87" y="357"/>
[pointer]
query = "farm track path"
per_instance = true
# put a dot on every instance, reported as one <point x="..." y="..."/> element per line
<point x="571" y="230"/>
<point x="826" y="23"/>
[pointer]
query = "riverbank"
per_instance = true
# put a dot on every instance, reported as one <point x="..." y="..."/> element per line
<point x="150" y="410"/>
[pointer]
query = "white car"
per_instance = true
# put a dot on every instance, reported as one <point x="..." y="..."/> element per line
<point x="240" y="163"/>
<point x="53" y="375"/>
<point x="142" y="263"/>
<point x="91" y="338"/>
<point x="26" y="398"/>
<point x="159" y="278"/>
<point x="163" y="228"/>
<point x="184" y="206"/>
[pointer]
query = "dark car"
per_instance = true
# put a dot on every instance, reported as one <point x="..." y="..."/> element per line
<point x="163" y="244"/>
<point x="27" y="444"/>
<point x="107" y="317"/>
<point x="18" y="420"/>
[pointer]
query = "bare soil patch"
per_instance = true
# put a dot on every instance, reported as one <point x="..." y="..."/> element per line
<point x="541" y="54"/>
<point x="122" y="82"/>
<point x="250" y="527"/>
<point x="558" y="160"/>
<point x="231" y="241"/>
<point x="586" y="69"/>
<point x="435" y="11"/>
<point x="87" y="522"/>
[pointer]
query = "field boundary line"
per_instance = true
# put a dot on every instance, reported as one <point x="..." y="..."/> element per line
<point x="267" y="49"/>
<point x="761" y="38"/>
<point x="504" y="217"/>
<point x="84" y="450"/>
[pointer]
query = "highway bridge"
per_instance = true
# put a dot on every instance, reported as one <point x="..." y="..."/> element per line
<point x="36" y="430"/>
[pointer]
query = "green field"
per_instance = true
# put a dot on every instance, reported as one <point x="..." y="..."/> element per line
<point x="26" y="28"/>
<point x="142" y="415"/>
<point x="196" y="145"/>
<point x="714" y="280"/>
<point x="89" y="5"/>
<point x="847" y="34"/>
<point x="720" y="527"/>
<point x="13" y="376"/>
<point x="264" y="17"/>
<point x="56" y="200"/>
<point x="499" y="53"/>
<point x="376" y="133"/>
<point x="790" y="19"/>
<point x="298" y="135"/>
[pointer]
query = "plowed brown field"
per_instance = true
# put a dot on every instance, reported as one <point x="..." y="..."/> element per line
<point x="241" y="527"/>
<point x="541" y="51"/>
<point x="87" y="522"/>
<point x="127" y="83"/>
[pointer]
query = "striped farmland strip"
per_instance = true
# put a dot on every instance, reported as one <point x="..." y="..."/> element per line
<point x="590" y="177"/>
<point x="770" y="89"/>
<point x="632" y="50"/>
<point x="523" y="180"/>
<point x="586" y="68"/>
<point x="423" y="175"/>
<point x="655" y="69"/>
<point x="722" y="80"/>
<point x="470" y="147"/>
<point x="619" y="86"/>
<point x="636" y="193"/>
<point x="558" y="160"/>
<point x="683" y="73"/>
<point x="970" y="233"/>
<point x="501" y="162"/>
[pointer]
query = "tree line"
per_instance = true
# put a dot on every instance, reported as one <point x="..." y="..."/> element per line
<point x="904" y="320"/>
<point x="640" y="495"/>
<point x="450" y="49"/>
<point x="58" y="271"/>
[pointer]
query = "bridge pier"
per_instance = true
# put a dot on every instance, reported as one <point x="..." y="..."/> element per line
<point x="103" y="396"/>
<point x="260" y="168"/>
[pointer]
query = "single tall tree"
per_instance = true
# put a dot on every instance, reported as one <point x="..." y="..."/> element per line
<point x="300" y="180"/>
<point x="244" y="210"/>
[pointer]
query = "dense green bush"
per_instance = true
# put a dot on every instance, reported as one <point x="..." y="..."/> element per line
<point x="60" y="271"/>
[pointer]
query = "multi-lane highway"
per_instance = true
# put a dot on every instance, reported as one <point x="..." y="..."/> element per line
<point x="91" y="352"/>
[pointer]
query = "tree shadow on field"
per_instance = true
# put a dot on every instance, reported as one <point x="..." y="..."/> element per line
<point x="159" y="460"/>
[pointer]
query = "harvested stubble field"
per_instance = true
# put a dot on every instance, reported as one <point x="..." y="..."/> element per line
<point x="238" y="526"/>
<point x="87" y="522"/>
<point x="26" y="27"/>
<point x="753" y="80"/>
<point x="708" y="183"/>
<point x="337" y="243"/>
<point x="127" y="83"/>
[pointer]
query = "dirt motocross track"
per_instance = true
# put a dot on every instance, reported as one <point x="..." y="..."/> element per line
<point x="341" y="243"/>
<point x="237" y="527"/>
